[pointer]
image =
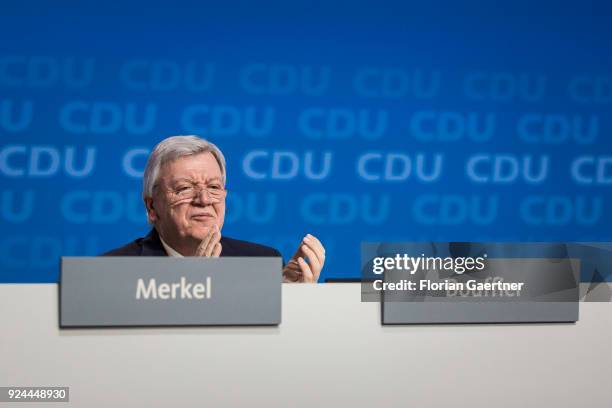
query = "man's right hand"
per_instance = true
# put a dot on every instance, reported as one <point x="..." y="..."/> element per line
<point x="210" y="246"/>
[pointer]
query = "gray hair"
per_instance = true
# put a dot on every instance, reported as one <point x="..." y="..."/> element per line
<point x="171" y="149"/>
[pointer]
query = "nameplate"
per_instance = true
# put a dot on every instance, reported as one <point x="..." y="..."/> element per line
<point x="165" y="291"/>
<point x="469" y="282"/>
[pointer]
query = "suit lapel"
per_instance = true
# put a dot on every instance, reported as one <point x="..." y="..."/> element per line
<point x="152" y="246"/>
<point x="226" y="248"/>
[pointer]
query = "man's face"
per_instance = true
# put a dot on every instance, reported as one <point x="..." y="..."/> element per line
<point x="188" y="199"/>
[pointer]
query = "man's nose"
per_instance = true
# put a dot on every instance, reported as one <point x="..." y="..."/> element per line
<point x="203" y="197"/>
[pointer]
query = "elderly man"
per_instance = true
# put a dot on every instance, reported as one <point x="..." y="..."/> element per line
<point x="184" y="194"/>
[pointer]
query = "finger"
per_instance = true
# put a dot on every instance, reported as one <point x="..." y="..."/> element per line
<point x="209" y="242"/>
<point x="315" y="239"/>
<point x="298" y="251"/>
<point x="293" y="267"/>
<point x="306" y="272"/>
<point x="214" y="240"/>
<point x="315" y="265"/>
<point x="217" y="250"/>
<point x="204" y="244"/>
<point x="292" y="272"/>
<point x="293" y="264"/>
<point x="317" y="248"/>
<point x="313" y="259"/>
<point x="291" y="277"/>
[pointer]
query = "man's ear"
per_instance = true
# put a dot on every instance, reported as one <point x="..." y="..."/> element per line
<point x="151" y="213"/>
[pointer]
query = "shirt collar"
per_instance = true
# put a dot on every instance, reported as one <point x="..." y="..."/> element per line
<point x="169" y="250"/>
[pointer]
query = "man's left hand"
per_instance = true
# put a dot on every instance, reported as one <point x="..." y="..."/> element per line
<point x="307" y="262"/>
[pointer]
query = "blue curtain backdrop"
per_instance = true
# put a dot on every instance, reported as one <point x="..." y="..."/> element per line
<point x="352" y="121"/>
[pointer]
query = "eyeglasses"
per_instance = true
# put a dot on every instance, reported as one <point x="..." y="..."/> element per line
<point x="215" y="192"/>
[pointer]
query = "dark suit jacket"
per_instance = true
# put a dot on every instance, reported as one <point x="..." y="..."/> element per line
<point x="151" y="245"/>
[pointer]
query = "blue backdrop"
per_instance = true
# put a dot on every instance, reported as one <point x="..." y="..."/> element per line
<point x="369" y="122"/>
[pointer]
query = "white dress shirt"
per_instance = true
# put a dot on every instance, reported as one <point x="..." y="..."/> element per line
<point x="169" y="250"/>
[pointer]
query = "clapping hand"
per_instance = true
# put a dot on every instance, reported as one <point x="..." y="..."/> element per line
<point x="307" y="262"/>
<point x="210" y="247"/>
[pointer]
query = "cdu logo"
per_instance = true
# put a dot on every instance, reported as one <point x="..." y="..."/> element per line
<point x="164" y="75"/>
<point x="43" y="251"/>
<point x="287" y="165"/>
<point x="107" y="117"/>
<point x="395" y="167"/>
<point x="46" y="161"/>
<point x="392" y="83"/>
<point x="558" y="129"/>
<point x="275" y="79"/>
<point x="504" y="86"/>
<point x="341" y="123"/>
<point x="455" y="209"/>
<point x="507" y="168"/>
<point x="226" y="120"/>
<point x="344" y="209"/>
<point x="452" y="126"/>
<point x="46" y="71"/>
<point x="102" y="207"/>
<point x="561" y="210"/>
